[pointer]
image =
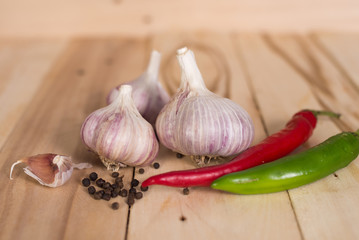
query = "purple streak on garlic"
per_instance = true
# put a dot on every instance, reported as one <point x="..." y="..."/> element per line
<point x="119" y="134"/>
<point x="148" y="93"/>
<point x="51" y="170"/>
<point x="199" y="123"/>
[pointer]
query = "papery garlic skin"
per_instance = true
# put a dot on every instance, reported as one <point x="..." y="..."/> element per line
<point x="119" y="134"/>
<point x="147" y="92"/>
<point x="199" y="123"/>
<point x="51" y="170"/>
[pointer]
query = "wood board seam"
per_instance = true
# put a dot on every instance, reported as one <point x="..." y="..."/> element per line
<point x="148" y="41"/>
<point x="267" y="39"/>
<point x="44" y="77"/>
<point x="277" y="50"/>
<point x="248" y="79"/>
<point x="256" y="103"/>
<point x="330" y="56"/>
<point x="295" y="216"/>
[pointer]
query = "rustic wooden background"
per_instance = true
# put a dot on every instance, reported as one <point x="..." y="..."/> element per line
<point x="48" y="87"/>
<point x="59" y="59"/>
<point x="63" y="18"/>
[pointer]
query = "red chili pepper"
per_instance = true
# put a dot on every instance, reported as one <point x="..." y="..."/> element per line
<point x="295" y="133"/>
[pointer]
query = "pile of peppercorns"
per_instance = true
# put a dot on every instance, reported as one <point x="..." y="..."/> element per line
<point x="112" y="190"/>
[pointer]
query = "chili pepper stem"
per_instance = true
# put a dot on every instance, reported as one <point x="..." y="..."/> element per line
<point x="325" y="113"/>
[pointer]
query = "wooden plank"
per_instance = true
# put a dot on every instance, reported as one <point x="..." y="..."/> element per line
<point x="324" y="209"/>
<point x="77" y="85"/>
<point x="330" y="86"/>
<point x="343" y="50"/>
<point x="23" y="65"/>
<point x="66" y="18"/>
<point x="166" y="213"/>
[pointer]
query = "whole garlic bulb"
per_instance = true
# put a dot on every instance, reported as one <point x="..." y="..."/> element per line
<point x="148" y="93"/>
<point x="119" y="134"/>
<point x="199" y="123"/>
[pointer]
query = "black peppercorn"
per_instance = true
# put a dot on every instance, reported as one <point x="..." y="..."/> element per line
<point x="119" y="180"/>
<point x="86" y="182"/>
<point x="115" y="205"/>
<point x="138" y="195"/>
<point x="120" y="185"/>
<point x="132" y="190"/>
<point x="144" y="189"/>
<point x="156" y="165"/>
<point x="100" y="182"/>
<point x="91" y="190"/>
<point x="123" y="193"/>
<point x="106" y="197"/>
<point x="115" y="174"/>
<point x="114" y="194"/>
<point x="106" y="185"/>
<point x="179" y="155"/>
<point x="108" y="191"/>
<point x="97" y="195"/>
<point x="93" y="176"/>
<point x="134" y="182"/>
<point x="130" y="201"/>
<point x="141" y="171"/>
<point x="185" y="191"/>
<point x="117" y="190"/>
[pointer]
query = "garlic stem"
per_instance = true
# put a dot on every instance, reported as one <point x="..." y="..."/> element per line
<point x="124" y="100"/>
<point x="190" y="72"/>
<point x="153" y="66"/>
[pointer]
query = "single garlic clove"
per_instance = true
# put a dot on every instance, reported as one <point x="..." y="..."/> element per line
<point x="51" y="170"/>
<point x="119" y="134"/>
<point x="199" y="123"/>
<point x="147" y="92"/>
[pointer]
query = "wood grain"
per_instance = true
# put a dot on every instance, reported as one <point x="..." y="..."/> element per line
<point x="272" y="76"/>
<point x="66" y="18"/>
<point x="332" y="88"/>
<point x="254" y="216"/>
<point x="77" y="85"/>
<point x="23" y="65"/>
<point x="318" y="202"/>
<point x="343" y="50"/>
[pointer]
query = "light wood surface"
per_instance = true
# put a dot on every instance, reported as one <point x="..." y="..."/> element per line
<point x="48" y="87"/>
<point x="65" y="18"/>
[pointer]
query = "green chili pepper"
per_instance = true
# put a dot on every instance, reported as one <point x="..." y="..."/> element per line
<point x="294" y="170"/>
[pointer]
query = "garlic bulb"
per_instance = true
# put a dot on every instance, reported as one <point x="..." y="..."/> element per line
<point x="51" y="170"/>
<point x="148" y="94"/>
<point x="119" y="134"/>
<point x="199" y="123"/>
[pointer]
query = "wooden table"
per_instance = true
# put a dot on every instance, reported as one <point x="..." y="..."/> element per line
<point x="48" y="87"/>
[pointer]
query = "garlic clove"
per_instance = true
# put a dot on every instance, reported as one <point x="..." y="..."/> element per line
<point x="148" y="94"/>
<point x="51" y="170"/>
<point x="199" y="123"/>
<point x="119" y="134"/>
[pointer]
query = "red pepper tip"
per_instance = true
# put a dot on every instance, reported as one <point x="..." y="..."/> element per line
<point x="147" y="182"/>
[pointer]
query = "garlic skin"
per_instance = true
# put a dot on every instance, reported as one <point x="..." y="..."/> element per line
<point x="199" y="123"/>
<point x="147" y="92"/>
<point x="119" y="134"/>
<point x="51" y="170"/>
